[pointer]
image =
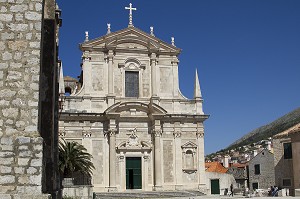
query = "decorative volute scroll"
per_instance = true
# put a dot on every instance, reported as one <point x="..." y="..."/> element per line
<point x="200" y="130"/>
<point x="110" y="132"/>
<point x="157" y="132"/>
<point x="177" y="134"/>
<point x="86" y="134"/>
<point x="62" y="133"/>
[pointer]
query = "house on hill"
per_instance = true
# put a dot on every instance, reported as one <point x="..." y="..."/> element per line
<point x="217" y="178"/>
<point x="240" y="174"/>
<point x="287" y="160"/>
<point x="261" y="170"/>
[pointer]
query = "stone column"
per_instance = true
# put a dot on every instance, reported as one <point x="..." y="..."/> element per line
<point x="110" y="57"/>
<point x="153" y="74"/>
<point x="112" y="160"/>
<point x="87" y="73"/>
<point x="157" y="132"/>
<point x="178" y="156"/>
<point x="201" y="164"/>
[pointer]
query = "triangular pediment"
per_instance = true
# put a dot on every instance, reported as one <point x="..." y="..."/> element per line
<point x="189" y="144"/>
<point x="130" y="39"/>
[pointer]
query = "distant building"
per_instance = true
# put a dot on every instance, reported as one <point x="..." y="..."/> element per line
<point x="217" y="178"/>
<point x="261" y="170"/>
<point x="239" y="172"/>
<point x="287" y="159"/>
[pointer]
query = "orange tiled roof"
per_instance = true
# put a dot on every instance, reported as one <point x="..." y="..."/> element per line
<point x="238" y="165"/>
<point x="292" y="130"/>
<point x="215" y="167"/>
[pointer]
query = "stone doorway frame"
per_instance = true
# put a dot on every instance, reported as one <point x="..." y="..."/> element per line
<point x="145" y="163"/>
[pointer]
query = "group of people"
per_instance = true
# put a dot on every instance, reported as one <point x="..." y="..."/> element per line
<point x="231" y="191"/>
<point x="273" y="191"/>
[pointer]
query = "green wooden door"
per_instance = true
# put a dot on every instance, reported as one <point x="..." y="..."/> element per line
<point x="215" y="186"/>
<point x="133" y="173"/>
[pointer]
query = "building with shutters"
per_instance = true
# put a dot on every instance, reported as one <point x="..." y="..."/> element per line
<point x="129" y="113"/>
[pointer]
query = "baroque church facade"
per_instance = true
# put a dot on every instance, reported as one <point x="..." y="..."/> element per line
<point x="129" y="113"/>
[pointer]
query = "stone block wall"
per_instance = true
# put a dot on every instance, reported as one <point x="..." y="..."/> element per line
<point x="20" y="142"/>
<point x="266" y="177"/>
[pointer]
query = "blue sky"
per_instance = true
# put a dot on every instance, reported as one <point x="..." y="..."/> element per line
<point x="247" y="53"/>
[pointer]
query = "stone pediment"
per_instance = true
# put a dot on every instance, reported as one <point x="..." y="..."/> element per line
<point x="130" y="39"/>
<point x="189" y="144"/>
<point x="137" y="107"/>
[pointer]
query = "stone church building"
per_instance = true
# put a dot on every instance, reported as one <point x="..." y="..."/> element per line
<point x="127" y="110"/>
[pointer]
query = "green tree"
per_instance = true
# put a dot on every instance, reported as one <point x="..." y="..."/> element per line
<point x="74" y="158"/>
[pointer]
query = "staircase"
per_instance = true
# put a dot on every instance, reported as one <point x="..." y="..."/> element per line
<point x="149" y="194"/>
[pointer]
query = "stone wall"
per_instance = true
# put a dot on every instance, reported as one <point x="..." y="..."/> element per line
<point x="266" y="177"/>
<point x="20" y="143"/>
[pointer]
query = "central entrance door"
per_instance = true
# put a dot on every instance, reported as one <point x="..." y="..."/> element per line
<point x="133" y="173"/>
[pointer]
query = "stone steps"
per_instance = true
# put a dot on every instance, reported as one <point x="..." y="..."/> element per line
<point x="150" y="194"/>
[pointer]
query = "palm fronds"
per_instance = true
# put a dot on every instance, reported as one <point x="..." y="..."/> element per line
<point x="73" y="157"/>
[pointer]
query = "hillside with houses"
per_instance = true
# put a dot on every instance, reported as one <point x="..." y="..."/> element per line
<point x="264" y="159"/>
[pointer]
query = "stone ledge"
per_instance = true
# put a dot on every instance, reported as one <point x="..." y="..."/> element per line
<point x="24" y="196"/>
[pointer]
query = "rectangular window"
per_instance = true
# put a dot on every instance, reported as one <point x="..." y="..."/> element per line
<point x="131" y="84"/>
<point x="287" y="147"/>
<point x="254" y="185"/>
<point x="256" y="169"/>
<point x="286" y="182"/>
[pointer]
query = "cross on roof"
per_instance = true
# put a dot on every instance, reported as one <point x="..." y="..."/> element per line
<point x="130" y="8"/>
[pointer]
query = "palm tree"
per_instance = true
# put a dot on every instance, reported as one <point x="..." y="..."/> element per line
<point x="74" y="158"/>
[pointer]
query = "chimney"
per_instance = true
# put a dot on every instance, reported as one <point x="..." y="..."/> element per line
<point x="254" y="153"/>
<point x="270" y="144"/>
<point x="226" y="161"/>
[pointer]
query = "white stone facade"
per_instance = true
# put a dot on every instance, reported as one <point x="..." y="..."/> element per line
<point x="160" y="127"/>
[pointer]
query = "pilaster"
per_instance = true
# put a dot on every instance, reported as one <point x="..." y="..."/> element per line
<point x="110" y="58"/>
<point x="145" y="171"/>
<point x="201" y="161"/>
<point x="157" y="133"/>
<point x="178" y="156"/>
<point x="122" y="171"/>
<point x="175" y="62"/>
<point x="87" y="72"/>
<point x="153" y="74"/>
<point x="112" y="156"/>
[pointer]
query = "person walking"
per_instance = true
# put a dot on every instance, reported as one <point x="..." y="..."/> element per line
<point x="231" y="190"/>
